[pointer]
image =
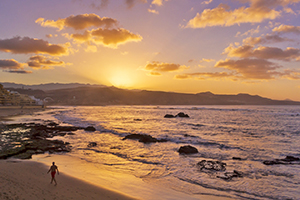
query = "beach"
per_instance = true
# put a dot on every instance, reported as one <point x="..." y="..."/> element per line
<point x="23" y="179"/>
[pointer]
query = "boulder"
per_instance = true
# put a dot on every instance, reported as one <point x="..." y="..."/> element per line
<point x="187" y="150"/>
<point x="92" y="144"/>
<point x="142" y="138"/>
<point x="229" y="175"/>
<point x="169" y="116"/>
<point x="181" y="114"/>
<point x="90" y="129"/>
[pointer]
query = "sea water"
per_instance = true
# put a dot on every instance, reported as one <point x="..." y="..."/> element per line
<point x="251" y="133"/>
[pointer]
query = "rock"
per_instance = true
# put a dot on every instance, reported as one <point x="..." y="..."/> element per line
<point x="229" y="175"/>
<point x="187" y="150"/>
<point x="169" y="116"/>
<point x="92" y="144"/>
<point x="181" y="114"/>
<point x="90" y="129"/>
<point x="236" y="158"/>
<point x="52" y="124"/>
<point x="142" y="138"/>
<point x="211" y="165"/>
<point x="285" y="161"/>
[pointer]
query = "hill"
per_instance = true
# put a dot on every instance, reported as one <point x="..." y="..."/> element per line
<point x="93" y="95"/>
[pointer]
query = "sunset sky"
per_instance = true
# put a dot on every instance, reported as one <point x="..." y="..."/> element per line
<point x="190" y="46"/>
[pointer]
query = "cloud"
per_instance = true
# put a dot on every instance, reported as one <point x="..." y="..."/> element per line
<point x="79" y="22"/>
<point x="107" y="37"/>
<point x="203" y="76"/>
<point x="153" y="11"/>
<point x="10" y="64"/>
<point x="251" y="68"/>
<point x="287" y="29"/>
<point x="38" y="62"/>
<point x="27" y="45"/>
<point x="248" y="51"/>
<point x="131" y="3"/>
<point x="249" y="32"/>
<point x="258" y="11"/>
<point x="266" y="39"/>
<point x="291" y="74"/>
<point x="158" y="2"/>
<point x="19" y="71"/>
<point x="157" y="67"/>
<point x="206" y="60"/>
<point x="207" y="2"/>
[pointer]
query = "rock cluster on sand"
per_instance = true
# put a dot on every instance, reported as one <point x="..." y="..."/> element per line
<point x="25" y="139"/>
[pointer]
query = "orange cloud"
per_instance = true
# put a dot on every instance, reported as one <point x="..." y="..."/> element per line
<point x="13" y="66"/>
<point x="203" y="76"/>
<point x="247" y="51"/>
<point x="107" y="37"/>
<point x="78" y="22"/>
<point x="38" y="62"/>
<point x="266" y="39"/>
<point x="250" y="68"/>
<point x="153" y="11"/>
<point x="164" y="67"/>
<point x="10" y="64"/>
<point x="26" y="45"/>
<point x="287" y="29"/>
<point x="258" y="11"/>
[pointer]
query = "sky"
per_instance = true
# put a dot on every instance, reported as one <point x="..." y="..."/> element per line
<point x="188" y="46"/>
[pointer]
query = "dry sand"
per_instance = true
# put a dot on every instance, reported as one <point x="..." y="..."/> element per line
<point x="21" y="179"/>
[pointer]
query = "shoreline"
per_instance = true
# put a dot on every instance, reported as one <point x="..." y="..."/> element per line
<point x="6" y="112"/>
<point x="94" y="179"/>
<point x="23" y="179"/>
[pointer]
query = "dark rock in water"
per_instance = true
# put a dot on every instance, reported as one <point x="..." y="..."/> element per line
<point x="92" y="144"/>
<point x="288" y="160"/>
<point x="52" y="124"/>
<point x="187" y="150"/>
<point x="90" y="128"/>
<point x="236" y="158"/>
<point x="229" y="175"/>
<point x="181" y="114"/>
<point x="141" y="137"/>
<point x="70" y="133"/>
<point x="138" y="120"/>
<point x="211" y="165"/>
<point x="169" y="116"/>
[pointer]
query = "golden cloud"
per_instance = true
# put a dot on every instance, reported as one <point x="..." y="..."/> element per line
<point x="38" y="62"/>
<point x="78" y="22"/>
<point x="10" y="64"/>
<point x="223" y="16"/>
<point x="287" y="29"/>
<point x="251" y="68"/>
<point x="248" y="51"/>
<point x="107" y="37"/>
<point x="26" y="45"/>
<point x="204" y="75"/>
<point x="164" y="67"/>
<point x="266" y="39"/>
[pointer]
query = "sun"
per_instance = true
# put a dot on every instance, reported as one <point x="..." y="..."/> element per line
<point x="121" y="79"/>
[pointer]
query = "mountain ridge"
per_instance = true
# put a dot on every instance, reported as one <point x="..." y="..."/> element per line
<point x="93" y="95"/>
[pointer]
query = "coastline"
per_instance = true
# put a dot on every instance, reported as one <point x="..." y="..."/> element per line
<point x="78" y="179"/>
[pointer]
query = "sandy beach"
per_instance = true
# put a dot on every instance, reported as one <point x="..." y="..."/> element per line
<point x="22" y="179"/>
<point x="9" y="111"/>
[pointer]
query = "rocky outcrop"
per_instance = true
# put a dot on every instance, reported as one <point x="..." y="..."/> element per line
<point x="143" y="138"/>
<point x="229" y="175"/>
<point x="211" y="165"/>
<point x="92" y="144"/>
<point x="187" y="150"/>
<point x="90" y="129"/>
<point x="288" y="160"/>
<point x="181" y="114"/>
<point x="31" y="138"/>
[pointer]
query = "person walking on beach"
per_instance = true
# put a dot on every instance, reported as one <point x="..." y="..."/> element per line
<point x="53" y="170"/>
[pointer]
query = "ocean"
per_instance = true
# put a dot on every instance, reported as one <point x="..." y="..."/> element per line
<point x="242" y="137"/>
